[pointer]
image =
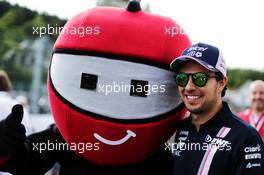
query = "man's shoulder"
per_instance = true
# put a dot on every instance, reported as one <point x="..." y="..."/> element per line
<point x="242" y="128"/>
<point x="7" y="101"/>
<point x="6" y="105"/>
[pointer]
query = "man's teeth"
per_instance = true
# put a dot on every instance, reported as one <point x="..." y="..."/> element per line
<point x="192" y="97"/>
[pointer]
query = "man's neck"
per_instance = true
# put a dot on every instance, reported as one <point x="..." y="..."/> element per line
<point x="202" y="118"/>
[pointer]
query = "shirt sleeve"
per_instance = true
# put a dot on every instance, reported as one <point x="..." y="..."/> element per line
<point x="249" y="157"/>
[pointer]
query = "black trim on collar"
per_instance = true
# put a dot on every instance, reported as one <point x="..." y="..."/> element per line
<point x="219" y="118"/>
<point x="113" y="56"/>
<point x="121" y="121"/>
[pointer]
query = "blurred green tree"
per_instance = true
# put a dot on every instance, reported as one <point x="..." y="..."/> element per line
<point x="16" y="26"/>
<point x="238" y="77"/>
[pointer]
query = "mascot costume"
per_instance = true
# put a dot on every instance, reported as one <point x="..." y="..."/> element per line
<point x="112" y="96"/>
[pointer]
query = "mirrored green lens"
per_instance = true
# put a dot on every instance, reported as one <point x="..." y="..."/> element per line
<point x="182" y="79"/>
<point x="199" y="79"/>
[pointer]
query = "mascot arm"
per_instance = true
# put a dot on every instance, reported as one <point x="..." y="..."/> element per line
<point x="32" y="157"/>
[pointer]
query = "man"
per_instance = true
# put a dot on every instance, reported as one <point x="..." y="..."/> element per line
<point x="212" y="141"/>
<point x="254" y="115"/>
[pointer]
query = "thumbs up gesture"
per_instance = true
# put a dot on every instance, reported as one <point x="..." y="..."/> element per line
<point x="12" y="132"/>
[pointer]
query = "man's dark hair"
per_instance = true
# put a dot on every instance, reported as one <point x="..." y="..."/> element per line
<point x="219" y="76"/>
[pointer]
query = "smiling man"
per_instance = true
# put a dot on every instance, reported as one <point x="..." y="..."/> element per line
<point x="254" y="115"/>
<point x="212" y="141"/>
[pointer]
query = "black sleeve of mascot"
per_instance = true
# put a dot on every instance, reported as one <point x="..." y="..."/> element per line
<point x="158" y="164"/>
<point x="28" y="159"/>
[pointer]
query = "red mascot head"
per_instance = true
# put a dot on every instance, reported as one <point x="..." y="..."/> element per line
<point x="110" y="87"/>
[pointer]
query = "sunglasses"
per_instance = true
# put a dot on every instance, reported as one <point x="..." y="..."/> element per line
<point x="199" y="79"/>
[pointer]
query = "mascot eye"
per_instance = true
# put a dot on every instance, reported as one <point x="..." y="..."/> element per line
<point x="89" y="81"/>
<point x="139" y="88"/>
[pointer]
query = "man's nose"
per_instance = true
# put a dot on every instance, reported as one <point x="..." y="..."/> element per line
<point x="190" y="85"/>
<point x="258" y="96"/>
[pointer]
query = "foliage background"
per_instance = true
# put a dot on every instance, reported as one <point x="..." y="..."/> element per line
<point x="16" y="25"/>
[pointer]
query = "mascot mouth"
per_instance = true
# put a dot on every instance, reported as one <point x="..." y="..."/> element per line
<point x="116" y="142"/>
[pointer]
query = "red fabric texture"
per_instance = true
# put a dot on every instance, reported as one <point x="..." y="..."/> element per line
<point x="124" y="33"/>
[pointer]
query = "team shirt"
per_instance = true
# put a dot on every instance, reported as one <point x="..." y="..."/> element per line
<point x="224" y="145"/>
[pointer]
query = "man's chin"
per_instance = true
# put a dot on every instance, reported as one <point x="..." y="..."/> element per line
<point x="258" y="107"/>
<point x="194" y="109"/>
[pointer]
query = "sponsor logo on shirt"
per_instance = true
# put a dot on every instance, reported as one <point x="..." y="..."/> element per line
<point x="185" y="133"/>
<point x="182" y="138"/>
<point x="252" y="165"/>
<point x="253" y="156"/>
<point x="217" y="141"/>
<point x="252" y="149"/>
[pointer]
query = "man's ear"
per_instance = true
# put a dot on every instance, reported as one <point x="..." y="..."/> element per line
<point x="223" y="83"/>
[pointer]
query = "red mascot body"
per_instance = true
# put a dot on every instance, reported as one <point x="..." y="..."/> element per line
<point x="112" y="95"/>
